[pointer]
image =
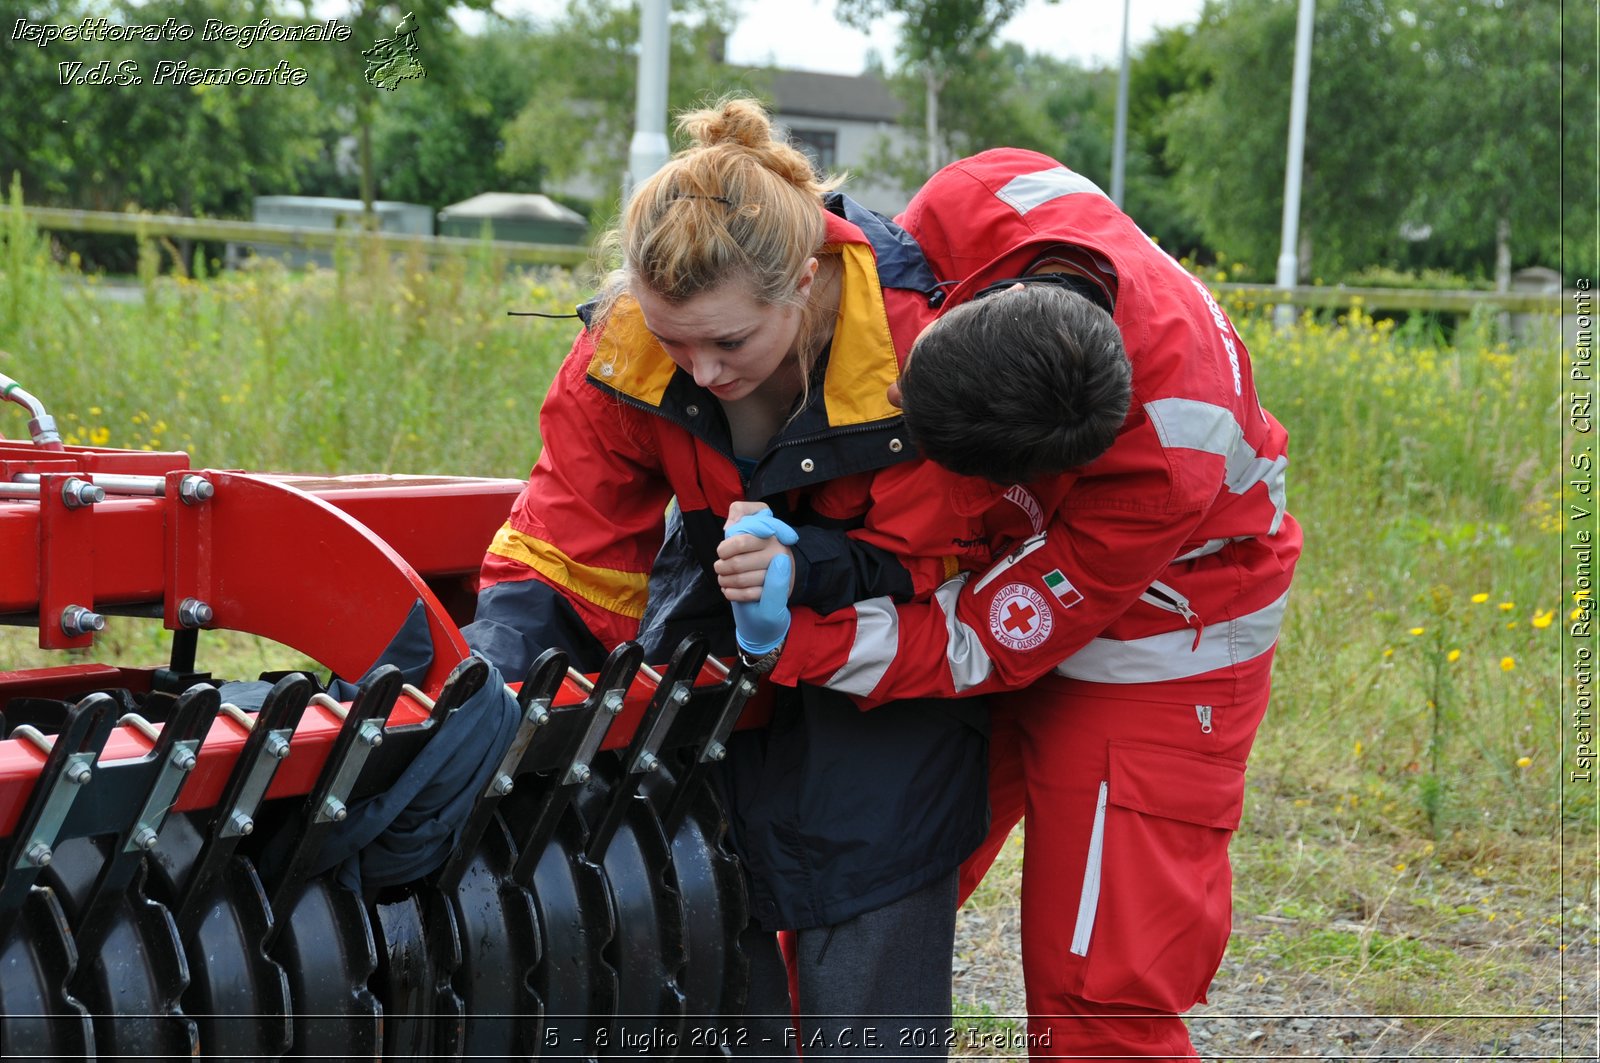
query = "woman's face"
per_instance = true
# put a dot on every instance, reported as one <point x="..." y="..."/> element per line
<point x="730" y="342"/>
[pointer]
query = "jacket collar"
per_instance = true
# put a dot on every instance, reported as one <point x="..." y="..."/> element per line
<point x="862" y="361"/>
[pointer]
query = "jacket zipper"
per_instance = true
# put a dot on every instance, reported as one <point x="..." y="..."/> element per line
<point x="1164" y="597"/>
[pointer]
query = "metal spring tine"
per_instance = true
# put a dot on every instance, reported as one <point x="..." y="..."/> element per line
<point x="68" y="766"/>
<point x="323" y="805"/>
<point x="741" y="685"/>
<point x="465" y="680"/>
<point x="604" y="702"/>
<point x="265" y="748"/>
<point x="671" y="694"/>
<point x="539" y="688"/>
<point x="157" y="780"/>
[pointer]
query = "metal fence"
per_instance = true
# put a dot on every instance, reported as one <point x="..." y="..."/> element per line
<point x="1335" y="297"/>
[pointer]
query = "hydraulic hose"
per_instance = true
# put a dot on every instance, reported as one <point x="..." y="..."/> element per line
<point x="41" y="425"/>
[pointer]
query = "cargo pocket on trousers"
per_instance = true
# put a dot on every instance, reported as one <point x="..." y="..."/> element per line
<point x="1156" y="905"/>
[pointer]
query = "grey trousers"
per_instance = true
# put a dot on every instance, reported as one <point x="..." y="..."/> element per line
<point x="874" y="987"/>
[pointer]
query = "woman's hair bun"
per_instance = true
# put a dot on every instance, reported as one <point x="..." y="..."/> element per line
<point x="740" y="123"/>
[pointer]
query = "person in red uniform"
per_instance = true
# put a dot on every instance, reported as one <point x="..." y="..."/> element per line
<point x="1135" y="616"/>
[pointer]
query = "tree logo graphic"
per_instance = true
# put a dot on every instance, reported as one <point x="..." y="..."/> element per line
<point x="394" y="59"/>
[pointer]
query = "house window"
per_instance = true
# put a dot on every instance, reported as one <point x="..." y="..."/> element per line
<point x="821" y="145"/>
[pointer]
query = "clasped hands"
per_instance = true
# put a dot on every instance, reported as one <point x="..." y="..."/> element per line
<point x="755" y="569"/>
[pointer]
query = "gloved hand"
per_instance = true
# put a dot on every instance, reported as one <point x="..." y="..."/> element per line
<point x="761" y="626"/>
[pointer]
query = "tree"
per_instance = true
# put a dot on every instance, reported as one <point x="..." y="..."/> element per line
<point x="1491" y="140"/>
<point x="579" y="117"/>
<point x="1431" y="133"/>
<point x="438" y="141"/>
<point x="938" y="38"/>
<point x="1229" y="136"/>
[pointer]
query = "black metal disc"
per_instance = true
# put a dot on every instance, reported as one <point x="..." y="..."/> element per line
<point x="39" y="1019"/>
<point x="133" y="980"/>
<point x="500" y="945"/>
<point x="326" y="948"/>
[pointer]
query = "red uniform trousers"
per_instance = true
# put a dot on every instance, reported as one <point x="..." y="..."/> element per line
<point x="1131" y="794"/>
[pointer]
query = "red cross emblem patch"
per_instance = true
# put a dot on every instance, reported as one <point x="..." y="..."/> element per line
<point x="1019" y="617"/>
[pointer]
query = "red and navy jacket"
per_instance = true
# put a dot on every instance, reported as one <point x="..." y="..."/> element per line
<point x="632" y="447"/>
<point x="614" y="536"/>
<point x="1168" y="557"/>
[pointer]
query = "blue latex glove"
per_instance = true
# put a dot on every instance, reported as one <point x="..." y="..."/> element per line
<point x="760" y="626"/>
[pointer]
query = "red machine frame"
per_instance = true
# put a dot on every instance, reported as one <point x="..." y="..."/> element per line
<point x="328" y="566"/>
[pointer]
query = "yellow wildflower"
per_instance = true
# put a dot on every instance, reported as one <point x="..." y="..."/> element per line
<point x="1453" y="656"/>
<point x="1523" y="762"/>
<point x="1418" y="630"/>
<point x="1480" y="598"/>
<point x="1506" y="607"/>
<point x="1542" y="618"/>
<point x="1507" y="663"/>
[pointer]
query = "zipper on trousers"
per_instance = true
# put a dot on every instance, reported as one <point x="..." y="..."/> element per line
<point x="1203" y="714"/>
<point x="1089" y="899"/>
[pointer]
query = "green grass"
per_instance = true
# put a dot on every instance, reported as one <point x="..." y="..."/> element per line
<point x="1407" y="779"/>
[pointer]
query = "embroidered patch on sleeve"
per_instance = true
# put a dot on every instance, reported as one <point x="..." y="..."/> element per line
<point x="1062" y="588"/>
<point x="1019" y="617"/>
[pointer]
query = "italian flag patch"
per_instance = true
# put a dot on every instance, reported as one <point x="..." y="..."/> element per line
<point x="1062" y="588"/>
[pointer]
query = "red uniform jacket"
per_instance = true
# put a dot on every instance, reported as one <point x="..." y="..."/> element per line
<point x="1169" y="556"/>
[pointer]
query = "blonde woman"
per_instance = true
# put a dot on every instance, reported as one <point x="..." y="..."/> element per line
<point x="742" y="354"/>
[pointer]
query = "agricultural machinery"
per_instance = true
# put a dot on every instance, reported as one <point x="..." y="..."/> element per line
<point x="410" y="858"/>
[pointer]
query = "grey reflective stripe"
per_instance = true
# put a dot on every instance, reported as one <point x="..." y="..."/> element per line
<point x="1031" y="190"/>
<point x="1089" y="896"/>
<point x="969" y="662"/>
<point x="877" y="640"/>
<point x="1195" y="425"/>
<point x="1173" y="654"/>
<point x="1210" y="546"/>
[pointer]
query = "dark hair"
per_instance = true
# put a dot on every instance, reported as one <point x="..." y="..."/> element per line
<point x="1019" y="385"/>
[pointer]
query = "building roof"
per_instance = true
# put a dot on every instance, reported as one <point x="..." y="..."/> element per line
<point x="863" y="98"/>
<point x="513" y="205"/>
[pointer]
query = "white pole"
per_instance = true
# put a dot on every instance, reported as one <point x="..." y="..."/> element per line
<point x="1119" y="143"/>
<point x="649" y="148"/>
<point x="1288" y="249"/>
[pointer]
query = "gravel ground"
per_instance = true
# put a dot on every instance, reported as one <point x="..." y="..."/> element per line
<point x="1258" y="1013"/>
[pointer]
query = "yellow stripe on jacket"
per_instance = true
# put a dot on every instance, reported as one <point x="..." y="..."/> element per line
<point x="620" y="592"/>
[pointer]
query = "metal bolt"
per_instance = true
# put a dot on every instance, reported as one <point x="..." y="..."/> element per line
<point x="537" y="716"/>
<point x="241" y="823"/>
<point x="145" y="839"/>
<point x="716" y="751"/>
<point x="195" y="490"/>
<point x="38" y="854"/>
<point x="277" y="748"/>
<point x="183" y="760"/>
<point x="502" y="785"/>
<point x="76" y="493"/>
<point x="192" y="612"/>
<point x="612" y="702"/>
<point x="680" y="695"/>
<point x="581" y="772"/>
<point x="334" y="808"/>
<point x="79" y="773"/>
<point x="372" y="737"/>
<point x="76" y="620"/>
<point x="648" y="762"/>
<point x="747" y="687"/>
